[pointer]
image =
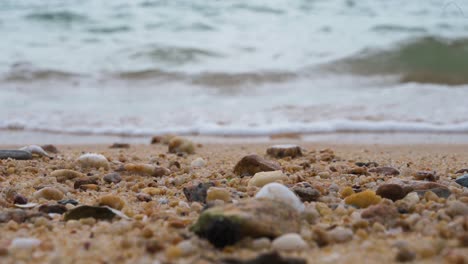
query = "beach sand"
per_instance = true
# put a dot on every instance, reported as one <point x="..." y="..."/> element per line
<point x="426" y="228"/>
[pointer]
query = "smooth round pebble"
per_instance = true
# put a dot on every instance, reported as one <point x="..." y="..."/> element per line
<point x="26" y="243"/>
<point x="93" y="160"/>
<point x="289" y="242"/>
<point x="279" y="192"/>
<point x="341" y="234"/>
<point x="49" y="193"/>
<point x="260" y="179"/>
<point x="198" y="163"/>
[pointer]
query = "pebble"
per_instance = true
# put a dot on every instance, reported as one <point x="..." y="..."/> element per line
<point x="96" y="212"/>
<point x="227" y="224"/>
<point x="463" y="180"/>
<point x="25" y="243"/>
<point x="68" y="201"/>
<point x="35" y="150"/>
<point x="181" y="145"/>
<point x="85" y="181"/>
<point x="383" y="213"/>
<point x="281" y="151"/>
<point x="147" y="169"/>
<point x="64" y="175"/>
<point x="279" y="192"/>
<point x="289" y="242"/>
<point x="363" y="199"/>
<point x="386" y="171"/>
<point x="144" y="197"/>
<point x="269" y="257"/>
<point x="15" y="154"/>
<point x="112" y="201"/>
<point x="186" y="247"/>
<point x="215" y="193"/>
<point x="93" y="160"/>
<point x="198" y="163"/>
<point x="262" y="178"/>
<point x="120" y="145"/>
<point x="456" y="208"/>
<point x="440" y="192"/>
<point x="426" y="176"/>
<point x="112" y="178"/>
<point x="405" y="255"/>
<point x="52" y="208"/>
<point x="49" y="193"/>
<point x="393" y="192"/>
<point x="251" y="164"/>
<point x="20" y="199"/>
<point x="197" y="192"/>
<point x="50" y="148"/>
<point x="306" y="192"/>
<point x="340" y="234"/>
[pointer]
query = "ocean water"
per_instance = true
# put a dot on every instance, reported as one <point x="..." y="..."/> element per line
<point x="239" y="68"/>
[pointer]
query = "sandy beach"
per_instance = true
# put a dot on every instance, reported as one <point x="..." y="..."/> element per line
<point x="427" y="224"/>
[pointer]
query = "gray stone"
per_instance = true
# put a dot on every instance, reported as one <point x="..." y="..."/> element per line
<point x="251" y="164"/>
<point x="112" y="178"/>
<point x="462" y="180"/>
<point x="15" y="154"/>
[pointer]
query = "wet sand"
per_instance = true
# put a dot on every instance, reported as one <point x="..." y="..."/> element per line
<point x="431" y="229"/>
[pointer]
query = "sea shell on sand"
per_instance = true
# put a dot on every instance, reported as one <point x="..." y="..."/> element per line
<point x="93" y="160"/>
<point x="35" y="149"/>
<point x="279" y="192"/>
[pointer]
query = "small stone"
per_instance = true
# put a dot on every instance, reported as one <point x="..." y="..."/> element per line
<point x="144" y="197"/>
<point x="386" y="214"/>
<point x="93" y="160"/>
<point x="147" y="169"/>
<point x="456" y="208"/>
<point x="279" y="192"/>
<point x="64" y="175"/>
<point x="181" y="145"/>
<point x="385" y="171"/>
<point x="393" y="192"/>
<point x="289" y="242"/>
<point x="85" y="181"/>
<point x="251" y="164"/>
<point x="197" y="192"/>
<point x="198" y="163"/>
<point x="463" y="180"/>
<point x="186" y="247"/>
<point x="405" y="255"/>
<point x="464" y="170"/>
<point x="367" y="164"/>
<point x="363" y="199"/>
<point x="281" y="151"/>
<point x="112" y="201"/>
<point x="120" y="145"/>
<point x="215" y="193"/>
<point x="270" y="258"/>
<point x="68" y="201"/>
<point x="50" y="148"/>
<point x="52" y="208"/>
<point x="49" y="193"/>
<point x="440" y="192"/>
<point x="357" y="171"/>
<point x="20" y="199"/>
<point x="15" y="154"/>
<point x="262" y="178"/>
<point x="227" y="224"/>
<point x="426" y="176"/>
<point x="156" y="139"/>
<point x="306" y="192"/>
<point x="346" y="191"/>
<point x="340" y="234"/>
<point x="24" y="243"/>
<point x="96" y="212"/>
<point x="463" y="239"/>
<point x="112" y="178"/>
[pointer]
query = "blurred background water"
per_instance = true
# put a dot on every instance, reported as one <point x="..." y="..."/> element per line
<point x="146" y="67"/>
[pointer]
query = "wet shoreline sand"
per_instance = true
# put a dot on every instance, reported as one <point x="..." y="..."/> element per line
<point x="431" y="229"/>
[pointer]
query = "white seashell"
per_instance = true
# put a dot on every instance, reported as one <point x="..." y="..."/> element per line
<point x="289" y="242"/>
<point x="35" y="149"/>
<point x="25" y="243"/>
<point x="28" y="205"/>
<point x="198" y="163"/>
<point x="118" y="213"/>
<point x="279" y="192"/>
<point x="93" y="160"/>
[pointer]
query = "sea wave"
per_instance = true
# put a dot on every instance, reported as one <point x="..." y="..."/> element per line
<point x="422" y="60"/>
<point x="214" y="129"/>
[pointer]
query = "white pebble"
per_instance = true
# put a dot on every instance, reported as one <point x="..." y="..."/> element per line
<point x="276" y="191"/>
<point x="341" y="234"/>
<point x="35" y="149"/>
<point x="93" y="160"/>
<point x="262" y="178"/>
<point x="27" y="243"/>
<point x="289" y="242"/>
<point x="186" y="247"/>
<point x="198" y="163"/>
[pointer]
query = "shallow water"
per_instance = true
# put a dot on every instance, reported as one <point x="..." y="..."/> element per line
<point x="233" y="68"/>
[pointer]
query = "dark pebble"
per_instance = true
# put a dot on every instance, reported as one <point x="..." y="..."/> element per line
<point x="367" y="164"/>
<point x="386" y="171"/>
<point x="251" y="164"/>
<point x="441" y="192"/>
<point x="306" y="192"/>
<point x="52" y="208"/>
<point x="426" y="176"/>
<point x="112" y="177"/>
<point x="405" y="255"/>
<point x="86" y="211"/>
<point x="462" y="180"/>
<point x="462" y="171"/>
<point x="80" y="182"/>
<point x="68" y="201"/>
<point x="20" y="199"/>
<point x="266" y="258"/>
<point x="393" y="192"/>
<point x="15" y="154"/>
<point x="144" y="197"/>
<point x="197" y="192"/>
<point x="120" y="145"/>
<point x="50" y="148"/>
